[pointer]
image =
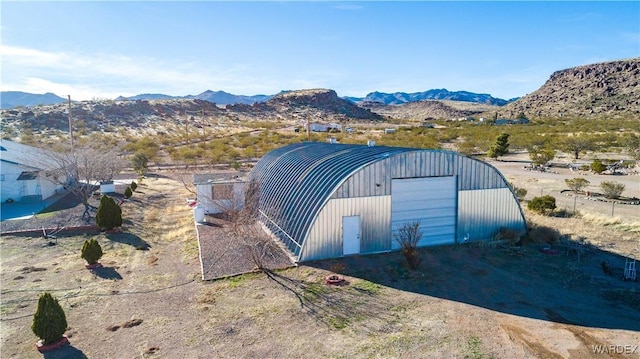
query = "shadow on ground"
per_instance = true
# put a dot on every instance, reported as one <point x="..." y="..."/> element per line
<point x="106" y="273"/>
<point x="66" y="352"/>
<point x="130" y="239"/>
<point x="338" y="307"/>
<point x="522" y="281"/>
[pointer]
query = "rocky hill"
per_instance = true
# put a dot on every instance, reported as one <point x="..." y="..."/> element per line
<point x="324" y="99"/>
<point x="602" y="90"/>
<point x="425" y="109"/>
<point x="294" y="106"/>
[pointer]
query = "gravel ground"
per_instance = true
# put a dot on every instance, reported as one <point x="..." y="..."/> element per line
<point x="223" y="256"/>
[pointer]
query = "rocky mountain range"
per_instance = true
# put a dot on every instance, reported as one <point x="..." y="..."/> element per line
<point x="398" y="98"/>
<point x="13" y="99"/>
<point x="601" y="90"/>
<point x="293" y="106"/>
<point x="598" y="91"/>
<point x="217" y="97"/>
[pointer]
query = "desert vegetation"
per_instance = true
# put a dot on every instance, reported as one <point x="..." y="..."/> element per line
<point x="448" y="305"/>
<point x="404" y="304"/>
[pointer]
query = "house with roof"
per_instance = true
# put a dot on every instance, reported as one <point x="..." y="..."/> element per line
<point x="25" y="173"/>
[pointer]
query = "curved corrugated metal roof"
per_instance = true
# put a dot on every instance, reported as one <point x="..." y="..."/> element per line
<point x="296" y="180"/>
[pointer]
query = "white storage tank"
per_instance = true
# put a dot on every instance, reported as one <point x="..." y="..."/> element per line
<point x="107" y="187"/>
<point x="198" y="213"/>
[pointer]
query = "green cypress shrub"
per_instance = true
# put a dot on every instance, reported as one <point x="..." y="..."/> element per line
<point x="49" y="322"/>
<point x="91" y="251"/>
<point x="133" y="186"/>
<point x="128" y="193"/>
<point x="109" y="214"/>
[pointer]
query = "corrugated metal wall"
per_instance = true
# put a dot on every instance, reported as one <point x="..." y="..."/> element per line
<point x="371" y="180"/>
<point x="325" y="236"/>
<point x="302" y="183"/>
<point x="375" y="179"/>
<point x="481" y="213"/>
<point x="423" y="164"/>
<point x="485" y="202"/>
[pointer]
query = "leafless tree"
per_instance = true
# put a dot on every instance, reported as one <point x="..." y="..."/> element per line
<point x="78" y="168"/>
<point x="246" y="229"/>
<point x="407" y="236"/>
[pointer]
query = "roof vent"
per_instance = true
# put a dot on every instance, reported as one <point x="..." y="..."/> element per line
<point x="371" y="143"/>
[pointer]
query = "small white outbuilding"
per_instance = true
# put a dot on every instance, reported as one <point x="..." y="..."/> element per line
<point x="219" y="193"/>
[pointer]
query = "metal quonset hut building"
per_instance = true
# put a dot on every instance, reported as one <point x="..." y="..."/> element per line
<point x="330" y="200"/>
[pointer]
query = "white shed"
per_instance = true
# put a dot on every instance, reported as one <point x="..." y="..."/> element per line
<point x="220" y="192"/>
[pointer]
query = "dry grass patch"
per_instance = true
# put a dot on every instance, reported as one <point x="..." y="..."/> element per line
<point x="614" y="222"/>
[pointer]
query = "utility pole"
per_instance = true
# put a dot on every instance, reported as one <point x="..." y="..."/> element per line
<point x="308" y="128"/>
<point x="186" y="129"/>
<point x="70" y="125"/>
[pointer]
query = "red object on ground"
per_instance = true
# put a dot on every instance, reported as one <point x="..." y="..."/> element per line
<point x="93" y="266"/>
<point x="57" y="345"/>
<point x="334" y="279"/>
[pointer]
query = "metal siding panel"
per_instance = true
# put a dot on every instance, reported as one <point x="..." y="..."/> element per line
<point x="481" y="213"/>
<point x="325" y="237"/>
<point x="431" y="200"/>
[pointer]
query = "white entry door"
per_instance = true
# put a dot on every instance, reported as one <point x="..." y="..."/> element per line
<point x="350" y="235"/>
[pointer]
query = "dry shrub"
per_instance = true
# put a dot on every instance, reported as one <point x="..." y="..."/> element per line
<point x="208" y="297"/>
<point x="508" y="234"/>
<point x="542" y="234"/>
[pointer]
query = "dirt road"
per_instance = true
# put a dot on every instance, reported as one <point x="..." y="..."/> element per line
<point x="552" y="183"/>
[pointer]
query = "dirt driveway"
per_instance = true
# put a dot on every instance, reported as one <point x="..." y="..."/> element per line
<point x="542" y="183"/>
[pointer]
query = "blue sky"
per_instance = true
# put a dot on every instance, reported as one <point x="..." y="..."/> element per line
<point x="105" y="49"/>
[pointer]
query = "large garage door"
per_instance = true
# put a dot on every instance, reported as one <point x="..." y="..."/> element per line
<point x="430" y="200"/>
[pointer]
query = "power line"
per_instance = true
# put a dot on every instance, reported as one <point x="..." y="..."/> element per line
<point x="80" y="295"/>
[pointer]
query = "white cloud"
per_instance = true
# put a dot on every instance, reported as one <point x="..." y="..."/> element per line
<point x="86" y="76"/>
<point x="632" y="37"/>
<point x="348" y="7"/>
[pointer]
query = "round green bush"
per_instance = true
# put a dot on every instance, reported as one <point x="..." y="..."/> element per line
<point x="91" y="251"/>
<point x="128" y="193"/>
<point x="49" y="322"/>
<point x="543" y="205"/>
<point x="133" y="185"/>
